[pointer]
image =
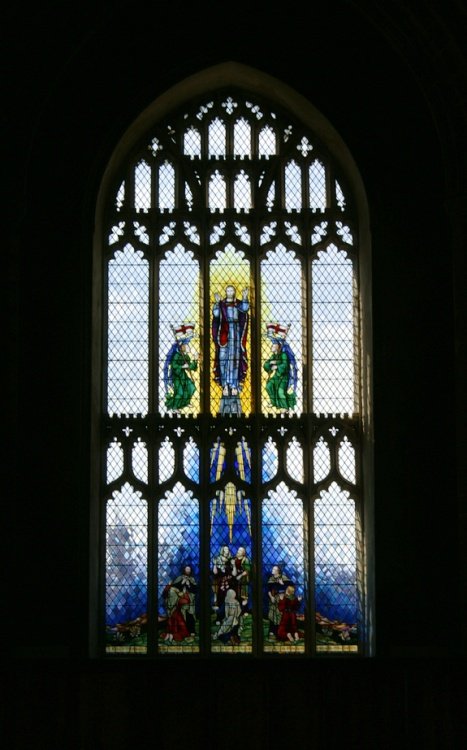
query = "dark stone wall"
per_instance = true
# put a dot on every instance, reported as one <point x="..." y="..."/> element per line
<point x="77" y="76"/>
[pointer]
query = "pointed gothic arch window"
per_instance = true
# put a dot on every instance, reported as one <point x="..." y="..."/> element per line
<point x="232" y="431"/>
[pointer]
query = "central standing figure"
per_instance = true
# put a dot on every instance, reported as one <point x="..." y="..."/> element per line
<point x="229" y="333"/>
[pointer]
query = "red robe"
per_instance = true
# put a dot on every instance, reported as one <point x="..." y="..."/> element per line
<point x="288" y="623"/>
<point x="176" y="624"/>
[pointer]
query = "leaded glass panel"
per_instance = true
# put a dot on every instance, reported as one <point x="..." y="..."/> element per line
<point x="217" y="137"/>
<point x="321" y="460"/>
<point x="340" y="197"/>
<point x="217" y="192"/>
<point x="231" y="555"/>
<point x="178" y="571"/>
<point x="192" y="143"/>
<point x="294" y="460"/>
<point x="284" y="578"/>
<point x="179" y="326"/>
<point x="114" y="461"/>
<point x="271" y="197"/>
<point x="143" y="180"/>
<point x="242" y="139"/>
<point x="333" y="320"/>
<point x="270" y="460"/>
<point x="317" y="186"/>
<point x="140" y="461"/>
<point x="166" y="462"/>
<point x="230" y="343"/>
<point x="126" y="572"/>
<point x="336" y="596"/>
<point x="347" y="467"/>
<point x="166" y="186"/>
<point x="283" y="334"/>
<point x="293" y="187"/>
<point x="233" y="388"/>
<point x="242" y="192"/>
<point x="267" y="142"/>
<point x="191" y="460"/>
<point x="127" y="332"/>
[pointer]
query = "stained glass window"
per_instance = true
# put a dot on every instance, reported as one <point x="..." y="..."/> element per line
<point x="232" y="491"/>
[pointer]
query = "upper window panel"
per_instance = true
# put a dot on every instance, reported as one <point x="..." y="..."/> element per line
<point x="232" y="269"/>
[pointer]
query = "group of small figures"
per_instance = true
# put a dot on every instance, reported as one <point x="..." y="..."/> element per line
<point x="230" y="603"/>
<point x="230" y="589"/>
<point x="231" y="577"/>
<point x="282" y="617"/>
<point x="230" y="586"/>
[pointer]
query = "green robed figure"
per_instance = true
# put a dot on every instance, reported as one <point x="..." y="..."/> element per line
<point x="282" y="369"/>
<point x="179" y="365"/>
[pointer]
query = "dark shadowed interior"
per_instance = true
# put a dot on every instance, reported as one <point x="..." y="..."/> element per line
<point x="392" y="80"/>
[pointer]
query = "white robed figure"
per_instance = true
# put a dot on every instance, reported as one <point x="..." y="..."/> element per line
<point x="231" y="626"/>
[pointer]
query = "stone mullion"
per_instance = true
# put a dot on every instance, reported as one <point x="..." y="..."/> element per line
<point x="256" y="452"/>
<point x="204" y="438"/>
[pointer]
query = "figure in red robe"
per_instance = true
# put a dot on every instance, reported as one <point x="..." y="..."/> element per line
<point x="176" y="628"/>
<point x="288" y="605"/>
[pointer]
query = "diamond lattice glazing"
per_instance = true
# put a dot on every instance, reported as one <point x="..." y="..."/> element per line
<point x="127" y="372"/>
<point x="333" y="332"/>
<point x="267" y="142"/>
<point x="321" y="460"/>
<point x="335" y="566"/>
<point x="167" y="186"/>
<point x="192" y="143"/>
<point x="294" y="460"/>
<point x="242" y="139"/>
<point x="244" y="163"/>
<point x="293" y="187"/>
<point x="317" y="186"/>
<point x="347" y="460"/>
<point x="166" y="460"/>
<point x="126" y="568"/>
<point x="140" y="460"/>
<point x="143" y="180"/>
<point x="217" y="141"/>
<point x="114" y="461"/>
<point x="242" y="192"/>
<point x="281" y="282"/>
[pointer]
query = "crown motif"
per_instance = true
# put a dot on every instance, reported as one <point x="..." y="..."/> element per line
<point x="184" y="332"/>
<point x="277" y="331"/>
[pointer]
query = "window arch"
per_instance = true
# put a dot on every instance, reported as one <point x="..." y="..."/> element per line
<point x="232" y="430"/>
